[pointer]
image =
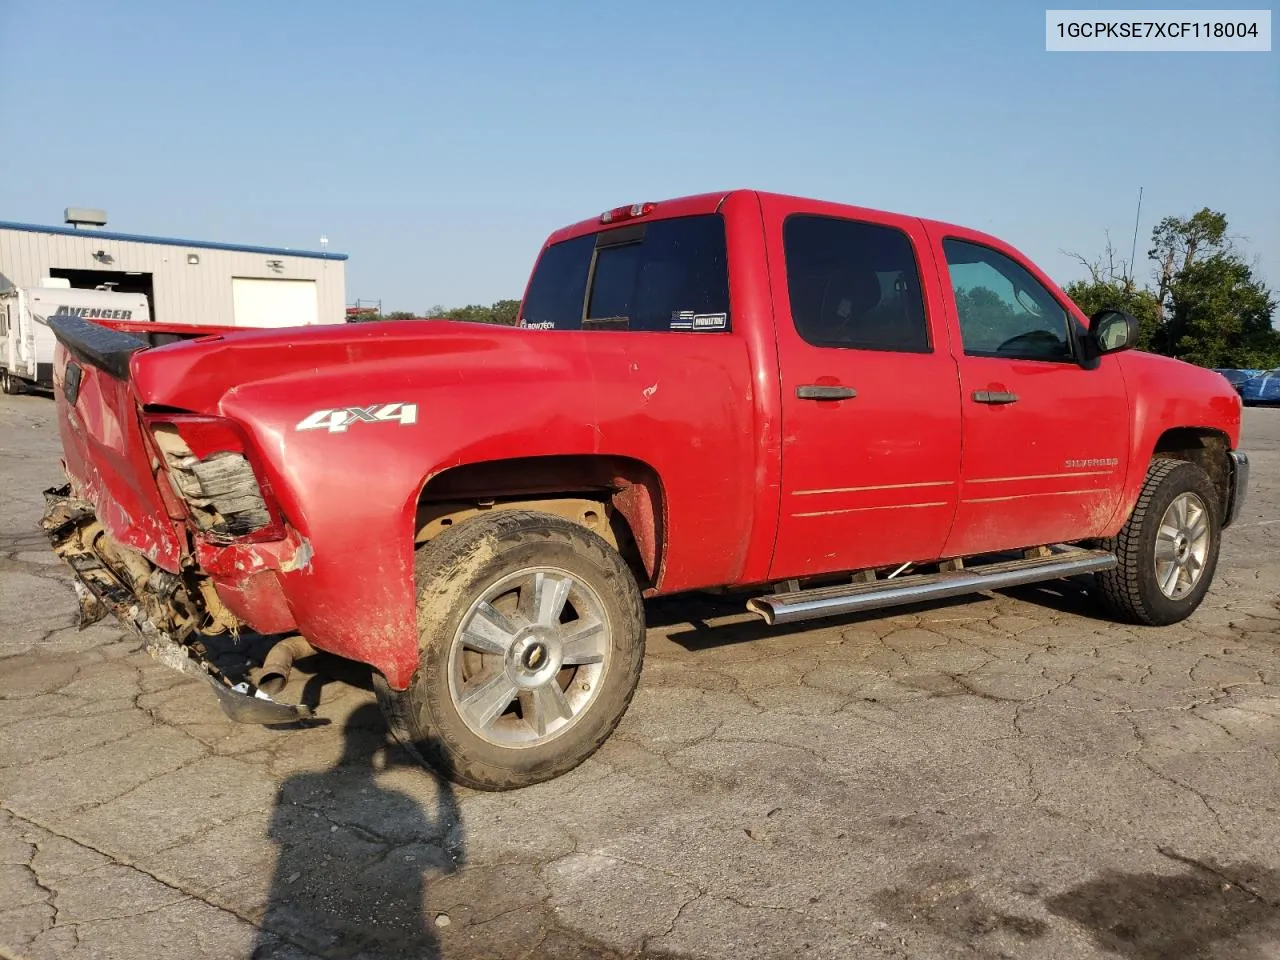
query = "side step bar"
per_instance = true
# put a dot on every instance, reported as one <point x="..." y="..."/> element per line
<point x="850" y="598"/>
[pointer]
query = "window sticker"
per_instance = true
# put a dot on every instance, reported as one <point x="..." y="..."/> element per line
<point x="688" y="320"/>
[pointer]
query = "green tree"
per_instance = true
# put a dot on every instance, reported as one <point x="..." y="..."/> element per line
<point x="502" y="312"/>
<point x="1207" y="306"/>
<point x="1177" y="242"/>
<point x="506" y="312"/>
<point x="1220" y="315"/>
<point x="1094" y="295"/>
<point x="401" y="315"/>
<point x="988" y="320"/>
<point x="1111" y="284"/>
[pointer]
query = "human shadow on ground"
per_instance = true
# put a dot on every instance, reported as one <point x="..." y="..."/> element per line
<point x="355" y="856"/>
<point x="1206" y="912"/>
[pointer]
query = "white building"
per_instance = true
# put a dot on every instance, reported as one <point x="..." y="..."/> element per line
<point x="185" y="281"/>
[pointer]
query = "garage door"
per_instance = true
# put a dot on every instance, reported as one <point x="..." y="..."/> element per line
<point x="274" y="303"/>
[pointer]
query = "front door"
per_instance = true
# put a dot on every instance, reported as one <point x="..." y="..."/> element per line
<point x="870" y="402"/>
<point x="1045" y="436"/>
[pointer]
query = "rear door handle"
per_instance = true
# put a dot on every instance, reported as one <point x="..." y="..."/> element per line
<point x="994" y="396"/>
<point x="821" y="391"/>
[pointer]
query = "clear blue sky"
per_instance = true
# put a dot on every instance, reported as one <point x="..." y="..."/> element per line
<point x="437" y="143"/>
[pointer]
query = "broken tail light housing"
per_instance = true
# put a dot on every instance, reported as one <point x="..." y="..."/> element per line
<point x="211" y="468"/>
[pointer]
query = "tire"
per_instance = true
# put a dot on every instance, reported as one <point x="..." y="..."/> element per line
<point x="10" y="384"/>
<point x="1133" y="590"/>
<point x="521" y="561"/>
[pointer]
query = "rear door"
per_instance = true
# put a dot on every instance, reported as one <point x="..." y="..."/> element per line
<point x="1046" y="438"/>
<point x="5" y="340"/>
<point x="23" y="331"/>
<point x="870" y="402"/>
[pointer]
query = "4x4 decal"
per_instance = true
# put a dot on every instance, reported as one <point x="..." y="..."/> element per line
<point x="338" y="419"/>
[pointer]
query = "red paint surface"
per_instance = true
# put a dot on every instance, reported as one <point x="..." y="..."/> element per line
<point x="752" y="484"/>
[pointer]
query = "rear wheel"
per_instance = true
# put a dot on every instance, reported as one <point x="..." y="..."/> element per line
<point x="531" y="637"/>
<point x="10" y="384"/>
<point x="1168" y="549"/>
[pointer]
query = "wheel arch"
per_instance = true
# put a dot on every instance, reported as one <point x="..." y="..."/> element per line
<point x="628" y="493"/>
<point x="1207" y="448"/>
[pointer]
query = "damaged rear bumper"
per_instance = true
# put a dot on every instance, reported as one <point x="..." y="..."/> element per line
<point x="155" y="605"/>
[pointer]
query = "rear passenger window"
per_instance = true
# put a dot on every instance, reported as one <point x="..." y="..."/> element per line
<point x="559" y="286"/>
<point x="665" y="275"/>
<point x="854" y="284"/>
<point x="668" y="275"/>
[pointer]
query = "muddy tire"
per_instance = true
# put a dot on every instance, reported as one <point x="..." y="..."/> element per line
<point x="531" y="638"/>
<point x="10" y="384"/>
<point x="1168" y="548"/>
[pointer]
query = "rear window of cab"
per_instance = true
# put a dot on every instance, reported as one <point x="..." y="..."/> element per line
<point x="664" y="276"/>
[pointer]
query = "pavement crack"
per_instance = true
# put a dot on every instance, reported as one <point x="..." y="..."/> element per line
<point x="78" y="749"/>
<point x="124" y="916"/>
<point x="671" y="927"/>
<point x="51" y="895"/>
<point x="121" y="860"/>
<point x="86" y="807"/>
<point x="1159" y="774"/>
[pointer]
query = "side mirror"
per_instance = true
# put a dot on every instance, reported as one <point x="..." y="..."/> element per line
<point x="1112" y="331"/>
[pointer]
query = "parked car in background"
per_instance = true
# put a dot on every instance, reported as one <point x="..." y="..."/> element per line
<point x="1237" y="377"/>
<point x="1262" y="389"/>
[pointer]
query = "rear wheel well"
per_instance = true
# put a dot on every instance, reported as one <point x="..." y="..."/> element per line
<point x="616" y="497"/>
<point x="1207" y="449"/>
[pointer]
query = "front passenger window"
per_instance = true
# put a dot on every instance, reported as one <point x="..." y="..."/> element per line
<point x="1004" y="310"/>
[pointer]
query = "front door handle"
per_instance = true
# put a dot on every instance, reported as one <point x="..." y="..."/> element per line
<point x="994" y="396"/>
<point x="822" y="391"/>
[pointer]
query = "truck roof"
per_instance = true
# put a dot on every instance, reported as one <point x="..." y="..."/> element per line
<point x="678" y="207"/>
<point x="702" y="203"/>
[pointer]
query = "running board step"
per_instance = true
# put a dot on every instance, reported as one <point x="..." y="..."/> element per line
<point x="850" y="598"/>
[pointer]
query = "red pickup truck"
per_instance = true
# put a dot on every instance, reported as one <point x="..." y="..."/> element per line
<point x="828" y="408"/>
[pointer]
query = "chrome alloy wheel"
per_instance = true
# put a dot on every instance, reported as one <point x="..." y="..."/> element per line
<point x="1182" y="544"/>
<point x="529" y="657"/>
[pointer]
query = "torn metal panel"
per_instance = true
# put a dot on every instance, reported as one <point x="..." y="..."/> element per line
<point x="159" y="608"/>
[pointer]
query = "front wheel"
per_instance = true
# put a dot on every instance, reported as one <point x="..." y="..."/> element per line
<point x="1168" y="549"/>
<point x="531" y="638"/>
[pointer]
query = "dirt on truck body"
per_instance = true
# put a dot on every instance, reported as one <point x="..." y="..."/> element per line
<point x="736" y="391"/>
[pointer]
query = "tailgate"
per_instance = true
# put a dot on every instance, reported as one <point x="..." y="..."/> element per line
<point x="107" y="457"/>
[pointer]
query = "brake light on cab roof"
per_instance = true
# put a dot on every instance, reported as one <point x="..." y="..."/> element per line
<point x="629" y="212"/>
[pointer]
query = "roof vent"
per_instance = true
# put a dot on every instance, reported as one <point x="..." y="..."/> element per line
<point x="84" y="217"/>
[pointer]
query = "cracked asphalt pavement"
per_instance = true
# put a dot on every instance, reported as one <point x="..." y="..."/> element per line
<point x="1003" y="776"/>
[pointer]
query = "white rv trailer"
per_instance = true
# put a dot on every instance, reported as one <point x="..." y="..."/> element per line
<point x="26" y="342"/>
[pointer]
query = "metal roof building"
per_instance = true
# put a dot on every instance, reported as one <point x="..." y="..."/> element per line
<point x="186" y="281"/>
